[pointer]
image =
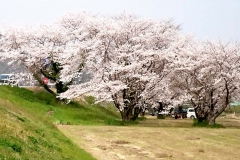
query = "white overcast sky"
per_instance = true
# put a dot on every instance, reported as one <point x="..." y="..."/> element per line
<point x="212" y="19"/>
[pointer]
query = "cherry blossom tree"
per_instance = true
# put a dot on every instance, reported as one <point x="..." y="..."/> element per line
<point x="57" y="52"/>
<point x="208" y="77"/>
<point x="129" y="54"/>
<point x="132" y="61"/>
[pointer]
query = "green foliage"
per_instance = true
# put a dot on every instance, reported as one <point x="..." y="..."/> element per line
<point x="14" y="146"/>
<point x="160" y="116"/>
<point x="129" y="123"/>
<point x="32" y="139"/>
<point x="205" y="124"/>
<point x="115" y="122"/>
<point x="141" y="118"/>
<point x="20" y="118"/>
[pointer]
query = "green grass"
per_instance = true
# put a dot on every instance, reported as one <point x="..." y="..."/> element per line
<point x="205" y="124"/>
<point x="28" y="119"/>
<point x="43" y="103"/>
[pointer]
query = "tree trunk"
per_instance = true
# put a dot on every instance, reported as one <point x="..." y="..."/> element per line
<point x="127" y="114"/>
<point x="211" y="117"/>
<point x="200" y="119"/>
<point x="135" y="114"/>
<point x="124" y="116"/>
<point x="211" y="120"/>
<point x="37" y="76"/>
<point x="48" y="89"/>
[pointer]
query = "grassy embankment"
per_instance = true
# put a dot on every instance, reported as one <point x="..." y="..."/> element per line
<point x="28" y="124"/>
<point x="28" y="131"/>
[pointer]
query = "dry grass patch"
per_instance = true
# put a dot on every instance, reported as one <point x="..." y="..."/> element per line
<point x="159" y="141"/>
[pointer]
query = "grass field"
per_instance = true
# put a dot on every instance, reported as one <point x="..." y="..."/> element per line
<point x="28" y="125"/>
<point x="155" y="139"/>
<point x="33" y="125"/>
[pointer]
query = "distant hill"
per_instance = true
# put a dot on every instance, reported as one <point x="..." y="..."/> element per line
<point x="4" y="68"/>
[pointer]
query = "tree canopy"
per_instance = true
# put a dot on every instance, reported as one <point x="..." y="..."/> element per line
<point x="132" y="61"/>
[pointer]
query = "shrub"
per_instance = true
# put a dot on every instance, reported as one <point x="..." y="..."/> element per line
<point x="161" y="116"/>
<point x="205" y="124"/>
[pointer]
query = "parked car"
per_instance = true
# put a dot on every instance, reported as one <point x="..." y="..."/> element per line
<point x="191" y="113"/>
<point x="164" y="112"/>
<point x="153" y="112"/>
<point x="8" y="79"/>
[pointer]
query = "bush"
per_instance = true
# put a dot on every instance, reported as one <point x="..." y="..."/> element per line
<point x="161" y="116"/>
<point x="205" y="124"/>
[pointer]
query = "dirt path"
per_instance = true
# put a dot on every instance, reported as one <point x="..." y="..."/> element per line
<point x="153" y="143"/>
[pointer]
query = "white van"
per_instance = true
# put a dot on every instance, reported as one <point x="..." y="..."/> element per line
<point x="8" y="79"/>
<point x="191" y="113"/>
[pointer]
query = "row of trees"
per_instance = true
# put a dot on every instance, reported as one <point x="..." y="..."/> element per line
<point x="132" y="61"/>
